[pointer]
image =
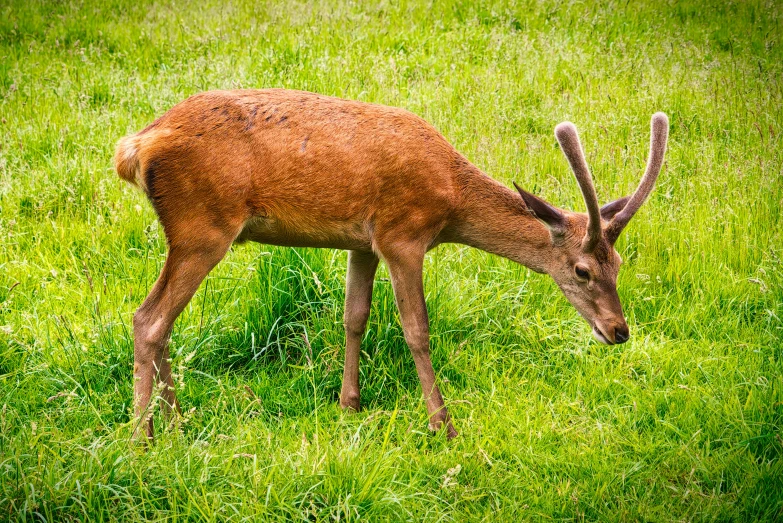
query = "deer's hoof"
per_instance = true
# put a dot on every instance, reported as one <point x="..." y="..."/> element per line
<point x="350" y="403"/>
<point x="437" y="426"/>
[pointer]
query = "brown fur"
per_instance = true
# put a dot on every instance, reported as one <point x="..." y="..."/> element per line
<point x="300" y="169"/>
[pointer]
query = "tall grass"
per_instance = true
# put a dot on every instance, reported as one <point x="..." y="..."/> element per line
<point x="685" y="422"/>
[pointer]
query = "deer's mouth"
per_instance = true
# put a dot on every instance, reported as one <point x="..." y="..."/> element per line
<point x="597" y="334"/>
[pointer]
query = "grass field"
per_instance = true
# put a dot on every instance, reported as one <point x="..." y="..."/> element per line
<point x="683" y="423"/>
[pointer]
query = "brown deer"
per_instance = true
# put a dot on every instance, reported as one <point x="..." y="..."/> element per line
<point x="294" y="168"/>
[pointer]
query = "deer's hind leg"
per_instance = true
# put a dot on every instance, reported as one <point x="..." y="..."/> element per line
<point x="192" y="254"/>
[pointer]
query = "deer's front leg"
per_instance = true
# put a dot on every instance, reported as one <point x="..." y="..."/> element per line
<point x="406" y="275"/>
<point x="358" y="298"/>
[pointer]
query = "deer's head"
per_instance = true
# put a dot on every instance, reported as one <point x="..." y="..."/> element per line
<point x="584" y="263"/>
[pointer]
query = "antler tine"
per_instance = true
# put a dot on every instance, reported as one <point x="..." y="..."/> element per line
<point x="572" y="149"/>
<point x="659" y="133"/>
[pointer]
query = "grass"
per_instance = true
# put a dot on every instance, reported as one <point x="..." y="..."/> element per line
<point x="683" y="423"/>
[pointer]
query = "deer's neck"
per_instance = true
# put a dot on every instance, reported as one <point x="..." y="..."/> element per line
<point x="493" y="218"/>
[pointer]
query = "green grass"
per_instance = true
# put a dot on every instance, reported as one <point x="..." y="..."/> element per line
<point x="685" y="422"/>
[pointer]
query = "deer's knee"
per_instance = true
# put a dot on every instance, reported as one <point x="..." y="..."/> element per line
<point x="356" y="319"/>
<point x="418" y="340"/>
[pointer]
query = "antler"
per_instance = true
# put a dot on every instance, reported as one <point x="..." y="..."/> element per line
<point x="569" y="142"/>
<point x="659" y="132"/>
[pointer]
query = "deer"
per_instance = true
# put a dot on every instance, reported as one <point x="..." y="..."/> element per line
<point x="299" y="169"/>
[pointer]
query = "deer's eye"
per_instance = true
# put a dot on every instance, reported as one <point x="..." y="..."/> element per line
<point x="582" y="273"/>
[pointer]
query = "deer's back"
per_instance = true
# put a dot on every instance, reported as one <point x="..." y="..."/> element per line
<point x="300" y="168"/>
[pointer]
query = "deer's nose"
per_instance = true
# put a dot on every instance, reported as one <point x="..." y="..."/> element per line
<point x="621" y="334"/>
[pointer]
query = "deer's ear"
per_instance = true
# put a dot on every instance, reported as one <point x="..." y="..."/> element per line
<point x="541" y="210"/>
<point x="610" y="209"/>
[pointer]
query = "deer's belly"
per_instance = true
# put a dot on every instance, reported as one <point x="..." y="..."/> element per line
<point x="351" y="235"/>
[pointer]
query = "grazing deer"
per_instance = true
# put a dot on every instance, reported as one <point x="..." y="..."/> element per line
<point x="299" y="169"/>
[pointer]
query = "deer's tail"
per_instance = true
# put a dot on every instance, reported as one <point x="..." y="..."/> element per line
<point x="127" y="162"/>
